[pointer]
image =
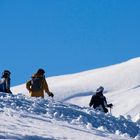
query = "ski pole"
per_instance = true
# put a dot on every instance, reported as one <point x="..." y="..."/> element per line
<point x="52" y="99"/>
<point x="110" y="111"/>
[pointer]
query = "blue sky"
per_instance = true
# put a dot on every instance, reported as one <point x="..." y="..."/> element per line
<point x="66" y="36"/>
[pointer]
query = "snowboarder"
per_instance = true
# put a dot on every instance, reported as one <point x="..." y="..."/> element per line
<point x="98" y="101"/>
<point x="38" y="84"/>
<point x="5" y="82"/>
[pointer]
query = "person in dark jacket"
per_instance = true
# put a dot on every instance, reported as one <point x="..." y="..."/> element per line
<point x="99" y="102"/>
<point x="5" y="82"/>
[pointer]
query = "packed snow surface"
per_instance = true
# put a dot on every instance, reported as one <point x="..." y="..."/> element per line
<point x="67" y="116"/>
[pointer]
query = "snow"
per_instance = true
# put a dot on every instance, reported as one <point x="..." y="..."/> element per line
<point x="68" y="116"/>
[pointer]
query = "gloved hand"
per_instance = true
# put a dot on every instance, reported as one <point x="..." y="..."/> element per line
<point x="51" y="94"/>
<point x="105" y="110"/>
<point x="110" y="105"/>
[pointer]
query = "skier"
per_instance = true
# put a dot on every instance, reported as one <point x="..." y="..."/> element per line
<point x="5" y="82"/>
<point x="98" y="101"/>
<point x="38" y="84"/>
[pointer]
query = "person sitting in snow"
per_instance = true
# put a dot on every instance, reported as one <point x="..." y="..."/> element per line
<point x="5" y="82"/>
<point x="38" y="84"/>
<point x="98" y="101"/>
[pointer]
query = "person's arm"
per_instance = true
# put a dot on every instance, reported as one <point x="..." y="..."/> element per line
<point x="46" y="88"/>
<point x="105" y="102"/>
<point x="28" y="86"/>
<point x="7" y="84"/>
<point x="91" y="101"/>
<point x="107" y="105"/>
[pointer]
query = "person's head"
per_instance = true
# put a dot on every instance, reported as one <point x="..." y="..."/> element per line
<point x="40" y="72"/>
<point x="6" y="73"/>
<point x="99" y="91"/>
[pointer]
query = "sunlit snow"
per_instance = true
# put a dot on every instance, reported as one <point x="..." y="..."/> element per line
<point x="67" y="116"/>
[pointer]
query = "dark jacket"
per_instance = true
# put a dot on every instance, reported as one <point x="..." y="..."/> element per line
<point x="5" y="85"/>
<point x="98" y="101"/>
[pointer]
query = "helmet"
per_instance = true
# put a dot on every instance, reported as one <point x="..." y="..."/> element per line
<point x="100" y="89"/>
<point x="40" y="71"/>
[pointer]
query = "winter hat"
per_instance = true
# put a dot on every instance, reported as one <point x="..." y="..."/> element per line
<point x="40" y="71"/>
<point x="6" y="73"/>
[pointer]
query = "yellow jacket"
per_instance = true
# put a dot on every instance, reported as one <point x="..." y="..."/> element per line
<point x="44" y="87"/>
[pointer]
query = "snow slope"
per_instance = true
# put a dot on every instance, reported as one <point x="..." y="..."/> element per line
<point x="121" y="82"/>
<point x="68" y="116"/>
<point x="30" y="118"/>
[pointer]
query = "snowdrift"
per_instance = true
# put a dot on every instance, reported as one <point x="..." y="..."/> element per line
<point x="31" y="108"/>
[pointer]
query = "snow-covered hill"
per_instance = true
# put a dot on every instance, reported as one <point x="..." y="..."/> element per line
<point x="121" y="83"/>
<point x="68" y="116"/>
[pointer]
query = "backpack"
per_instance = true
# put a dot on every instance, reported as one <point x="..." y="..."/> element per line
<point x="36" y="84"/>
